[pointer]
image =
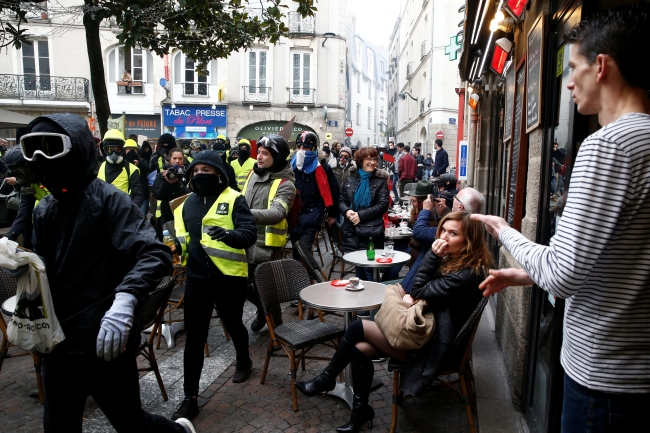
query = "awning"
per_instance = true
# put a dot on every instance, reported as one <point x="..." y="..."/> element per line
<point x="10" y="119"/>
<point x="476" y="33"/>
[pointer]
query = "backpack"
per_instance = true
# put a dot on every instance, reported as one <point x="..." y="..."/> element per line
<point x="294" y="212"/>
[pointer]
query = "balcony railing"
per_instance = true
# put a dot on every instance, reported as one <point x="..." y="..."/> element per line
<point x="45" y="87"/>
<point x="136" y="88"/>
<point x="422" y="106"/>
<point x="300" y="25"/>
<point x="301" y="96"/>
<point x="196" y="89"/>
<point x="409" y="69"/>
<point x="257" y="95"/>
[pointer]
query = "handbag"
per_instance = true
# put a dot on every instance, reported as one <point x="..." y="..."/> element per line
<point x="370" y="229"/>
<point x="406" y="326"/>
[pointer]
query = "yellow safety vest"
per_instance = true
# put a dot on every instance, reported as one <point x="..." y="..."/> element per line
<point x="121" y="182"/>
<point x="40" y="192"/>
<point x="241" y="171"/>
<point x="230" y="261"/>
<point x="275" y="235"/>
<point x="158" y="208"/>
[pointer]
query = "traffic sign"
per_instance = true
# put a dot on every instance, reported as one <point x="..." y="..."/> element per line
<point x="347" y="124"/>
<point x="348" y="132"/>
<point x="440" y="135"/>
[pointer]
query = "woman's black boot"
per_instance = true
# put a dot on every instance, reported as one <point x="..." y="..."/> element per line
<point x="326" y="381"/>
<point x="363" y="371"/>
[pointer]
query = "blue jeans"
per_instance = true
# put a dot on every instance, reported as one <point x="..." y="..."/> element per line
<point x="588" y="411"/>
<point x="395" y="191"/>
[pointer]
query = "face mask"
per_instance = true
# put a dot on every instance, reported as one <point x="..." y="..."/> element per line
<point x="186" y="151"/>
<point x="300" y="159"/>
<point x="114" y="158"/>
<point x="204" y="184"/>
<point x="132" y="157"/>
<point x="244" y="154"/>
<point x="193" y="153"/>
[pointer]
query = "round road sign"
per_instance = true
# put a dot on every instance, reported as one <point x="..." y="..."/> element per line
<point x="440" y="135"/>
<point x="348" y="132"/>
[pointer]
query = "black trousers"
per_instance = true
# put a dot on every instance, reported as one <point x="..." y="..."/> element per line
<point x="229" y="295"/>
<point x="69" y="379"/>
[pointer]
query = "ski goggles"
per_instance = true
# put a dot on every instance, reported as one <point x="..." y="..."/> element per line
<point x="113" y="148"/>
<point x="49" y="144"/>
<point x="268" y="143"/>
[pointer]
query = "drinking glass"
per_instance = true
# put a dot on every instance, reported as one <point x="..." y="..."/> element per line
<point x="388" y="248"/>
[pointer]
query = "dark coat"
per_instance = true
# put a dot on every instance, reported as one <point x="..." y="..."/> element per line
<point x="441" y="162"/>
<point x="452" y="298"/>
<point x="94" y="243"/>
<point x="166" y="192"/>
<point x="370" y="216"/>
<point x="313" y="207"/>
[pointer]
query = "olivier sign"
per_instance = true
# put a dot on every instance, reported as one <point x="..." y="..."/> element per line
<point x="186" y="115"/>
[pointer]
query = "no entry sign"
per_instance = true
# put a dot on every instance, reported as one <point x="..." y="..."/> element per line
<point x="348" y="132"/>
<point x="440" y="135"/>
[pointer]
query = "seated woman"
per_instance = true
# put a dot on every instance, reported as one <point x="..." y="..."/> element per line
<point x="448" y="280"/>
<point x="363" y="202"/>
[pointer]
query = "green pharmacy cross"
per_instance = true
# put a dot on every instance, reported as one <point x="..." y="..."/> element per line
<point x="453" y="48"/>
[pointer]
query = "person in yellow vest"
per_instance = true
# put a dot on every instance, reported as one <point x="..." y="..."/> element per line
<point x="244" y="163"/>
<point x="214" y="226"/>
<point x="269" y="192"/>
<point x="118" y="171"/>
<point x="133" y="154"/>
<point x="170" y="184"/>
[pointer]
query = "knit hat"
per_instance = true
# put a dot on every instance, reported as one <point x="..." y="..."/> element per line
<point x="167" y="139"/>
<point x="346" y="149"/>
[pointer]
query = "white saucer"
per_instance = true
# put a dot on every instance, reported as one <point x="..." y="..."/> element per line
<point x="359" y="288"/>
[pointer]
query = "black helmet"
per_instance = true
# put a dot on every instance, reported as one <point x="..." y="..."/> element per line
<point x="14" y="157"/>
<point x="277" y="145"/>
<point x="307" y="139"/>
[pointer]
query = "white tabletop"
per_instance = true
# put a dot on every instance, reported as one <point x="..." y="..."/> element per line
<point x="399" y="235"/>
<point x="359" y="258"/>
<point x="325" y="296"/>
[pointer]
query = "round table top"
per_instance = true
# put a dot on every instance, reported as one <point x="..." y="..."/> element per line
<point x="359" y="258"/>
<point x="400" y="235"/>
<point x="325" y="296"/>
<point x="9" y="306"/>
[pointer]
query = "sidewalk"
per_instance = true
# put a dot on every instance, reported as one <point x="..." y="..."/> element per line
<point x="251" y="407"/>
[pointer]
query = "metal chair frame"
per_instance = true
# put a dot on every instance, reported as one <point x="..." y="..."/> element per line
<point x="460" y="389"/>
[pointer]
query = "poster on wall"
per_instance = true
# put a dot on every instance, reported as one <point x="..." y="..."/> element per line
<point x="534" y="73"/>
<point x="518" y="155"/>
<point x="508" y="109"/>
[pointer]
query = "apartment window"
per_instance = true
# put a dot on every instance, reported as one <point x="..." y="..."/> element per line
<point x="370" y="56"/>
<point x="370" y="118"/>
<point x="301" y="73"/>
<point x="370" y="90"/>
<point x="257" y="71"/>
<point x="358" y="122"/>
<point x="193" y="84"/>
<point x="36" y="65"/>
<point x="358" y="82"/>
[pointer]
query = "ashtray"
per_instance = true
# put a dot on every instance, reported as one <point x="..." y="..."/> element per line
<point x="340" y="283"/>
<point x="384" y="260"/>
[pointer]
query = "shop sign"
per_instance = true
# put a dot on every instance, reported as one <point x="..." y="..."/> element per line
<point x="193" y="115"/>
<point x="462" y="166"/>
<point x="147" y="125"/>
<point x="257" y="130"/>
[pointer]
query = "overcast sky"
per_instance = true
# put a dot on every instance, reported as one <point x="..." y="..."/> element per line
<point x="375" y="19"/>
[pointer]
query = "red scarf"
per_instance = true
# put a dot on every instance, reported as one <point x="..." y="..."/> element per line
<point x="323" y="185"/>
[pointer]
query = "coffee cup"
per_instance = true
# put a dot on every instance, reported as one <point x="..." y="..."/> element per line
<point x="403" y="225"/>
<point x="354" y="282"/>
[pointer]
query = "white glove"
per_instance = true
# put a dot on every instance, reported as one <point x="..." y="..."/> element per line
<point x="115" y="327"/>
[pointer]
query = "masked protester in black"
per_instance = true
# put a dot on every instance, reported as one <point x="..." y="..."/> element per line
<point x="146" y="153"/>
<point x="166" y="142"/>
<point x="216" y="268"/>
<point x="102" y="260"/>
<point x="220" y="148"/>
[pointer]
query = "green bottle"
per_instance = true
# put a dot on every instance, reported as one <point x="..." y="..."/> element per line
<point x="370" y="252"/>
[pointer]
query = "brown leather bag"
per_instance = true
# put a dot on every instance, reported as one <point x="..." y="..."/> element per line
<point x="406" y="326"/>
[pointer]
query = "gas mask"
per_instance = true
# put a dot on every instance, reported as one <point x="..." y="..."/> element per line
<point x="113" y="153"/>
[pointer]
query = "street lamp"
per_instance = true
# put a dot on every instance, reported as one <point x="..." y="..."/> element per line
<point x="402" y="96"/>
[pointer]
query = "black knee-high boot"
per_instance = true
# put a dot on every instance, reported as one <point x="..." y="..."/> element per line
<point x="326" y="381"/>
<point x="363" y="371"/>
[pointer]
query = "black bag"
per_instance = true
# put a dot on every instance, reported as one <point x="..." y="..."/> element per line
<point x="370" y="229"/>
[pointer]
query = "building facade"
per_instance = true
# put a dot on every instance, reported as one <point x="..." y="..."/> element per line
<point x="422" y="101"/>
<point x="367" y="86"/>
<point x="522" y="108"/>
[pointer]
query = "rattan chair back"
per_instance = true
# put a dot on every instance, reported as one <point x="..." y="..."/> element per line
<point x="8" y="286"/>
<point x="280" y="281"/>
<point x="313" y="269"/>
<point x="156" y="299"/>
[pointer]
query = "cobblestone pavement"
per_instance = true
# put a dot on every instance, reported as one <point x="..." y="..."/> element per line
<point x="245" y="407"/>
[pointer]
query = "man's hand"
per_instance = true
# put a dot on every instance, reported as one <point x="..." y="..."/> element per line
<point x="499" y="279"/>
<point x="402" y="293"/>
<point x="493" y="224"/>
<point x="218" y="233"/>
<point x="428" y="204"/>
<point x="164" y="174"/>
<point x="330" y="221"/>
<point x="11" y="181"/>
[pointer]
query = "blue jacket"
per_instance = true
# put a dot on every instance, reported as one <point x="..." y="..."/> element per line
<point x="441" y="162"/>
<point x="424" y="235"/>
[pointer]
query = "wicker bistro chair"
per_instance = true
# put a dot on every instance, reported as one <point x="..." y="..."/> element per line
<point x="281" y="281"/>
<point x="459" y="362"/>
<point x="150" y="315"/>
<point x="8" y="287"/>
<point x="334" y="232"/>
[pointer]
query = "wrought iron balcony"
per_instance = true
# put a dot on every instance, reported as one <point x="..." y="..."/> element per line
<point x="301" y="96"/>
<point x="196" y="89"/>
<point x="422" y="106"/>
<point x="409" y="69"/>
<point x="257" y="95"/>
<point x="45" y="87"/>
<point x="300" y="25"/>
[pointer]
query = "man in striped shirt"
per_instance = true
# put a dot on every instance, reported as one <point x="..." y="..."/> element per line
<point x="599" y="260"/>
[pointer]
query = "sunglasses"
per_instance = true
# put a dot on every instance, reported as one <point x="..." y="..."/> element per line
<point x="48" y="144"/>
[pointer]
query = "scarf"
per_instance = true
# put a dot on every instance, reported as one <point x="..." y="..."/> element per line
<point x="308" y="165"/>
<point x="362" y="197"/>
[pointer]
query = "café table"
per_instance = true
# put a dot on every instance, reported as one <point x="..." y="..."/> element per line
<point x="325" y="296"/>
<point x="359" y="258"/>
<point x="399" y="235"/>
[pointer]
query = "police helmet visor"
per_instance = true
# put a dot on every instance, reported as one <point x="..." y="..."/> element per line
<point x="49" y="144"/>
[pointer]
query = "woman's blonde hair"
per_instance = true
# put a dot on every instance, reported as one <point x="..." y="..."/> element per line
<point x="476" y="254"/>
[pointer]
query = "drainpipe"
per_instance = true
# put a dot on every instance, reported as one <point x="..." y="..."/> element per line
<point x="471" y="147"/>
<point x="461" y="123"/>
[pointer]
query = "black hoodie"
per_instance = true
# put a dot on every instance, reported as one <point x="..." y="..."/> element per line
<point x="244" y="235"/>
<point x="94" y="241"/>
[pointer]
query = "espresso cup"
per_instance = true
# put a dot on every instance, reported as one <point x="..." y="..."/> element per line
<point x="354" y="282"/>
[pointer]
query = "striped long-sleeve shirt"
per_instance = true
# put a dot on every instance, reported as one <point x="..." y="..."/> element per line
<point x="599" y="259"/>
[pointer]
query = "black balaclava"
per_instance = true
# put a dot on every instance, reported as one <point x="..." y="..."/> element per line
<point x="146" y="151"/>
<point x="60" y="176"/>
<point x="206" y="185"/>
<point x="244" y="152"/>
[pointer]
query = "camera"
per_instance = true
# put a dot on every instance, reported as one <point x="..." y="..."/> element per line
<point x="174" y="171"/>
